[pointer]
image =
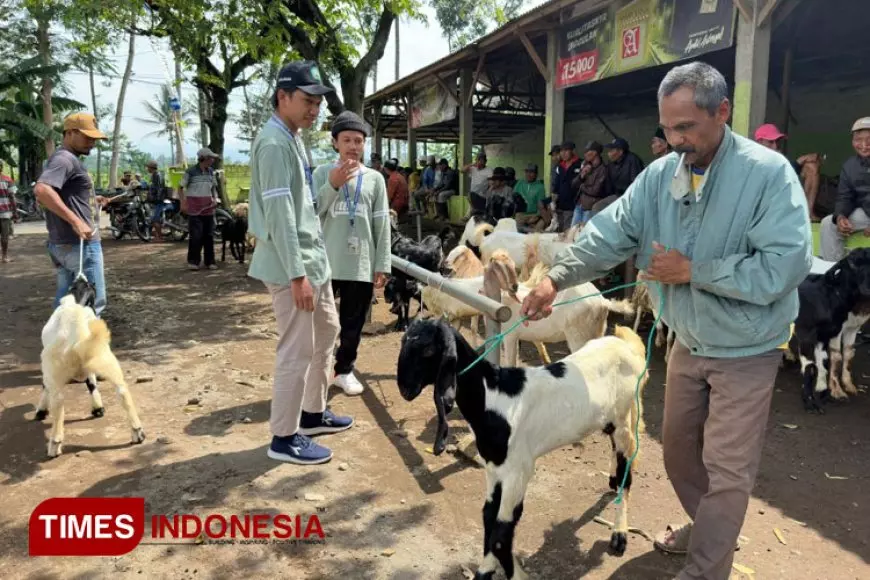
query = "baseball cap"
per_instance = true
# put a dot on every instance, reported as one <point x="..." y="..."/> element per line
<point x="618" y="143"/>
<point x="206" y="152"/>
<point x="567" y="145"/>
<point x="594" y="146"/>
<point x="303" y="75"/>
<point x="861" y="124"/>
<point x="84" y="123"/>
<point x="769" y="132"/>
<point x="532" y="167"/>
<point x="555" y="149"/>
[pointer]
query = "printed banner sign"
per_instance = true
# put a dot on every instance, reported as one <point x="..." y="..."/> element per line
<point x="633" y="34"/>
<point x="431" y="105"/>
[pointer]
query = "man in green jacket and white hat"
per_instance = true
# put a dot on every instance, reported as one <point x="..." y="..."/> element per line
<point x="721" y="226"/>
<point x="290" y="258"/>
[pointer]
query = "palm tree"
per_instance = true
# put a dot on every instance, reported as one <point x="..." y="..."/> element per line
<point x="161" y="116"/>
<point x="21" y="114"/>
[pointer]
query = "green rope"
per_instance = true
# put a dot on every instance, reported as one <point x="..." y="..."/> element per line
<point x="499" y="338"/>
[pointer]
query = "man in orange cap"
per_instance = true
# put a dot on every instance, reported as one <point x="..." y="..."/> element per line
<point x="66" y="190"/>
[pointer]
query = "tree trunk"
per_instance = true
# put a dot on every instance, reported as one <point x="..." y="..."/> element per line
<point x="397" y="50"/>
<point x="216" y="124"/>
<point x="203" y="118"/>
<point x="44" y="43"/>
<point x="176" y="117"/>
<point x="119" y="112"/>
<point x="94" y="104"/>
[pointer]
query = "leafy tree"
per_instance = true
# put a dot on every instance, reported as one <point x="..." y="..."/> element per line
<point x="463" y="21"/>
<point x="327" y="32"/>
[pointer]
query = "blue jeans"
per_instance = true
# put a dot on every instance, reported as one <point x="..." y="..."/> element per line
<point x="66" y="259"/>
<point x="581" y="216"/>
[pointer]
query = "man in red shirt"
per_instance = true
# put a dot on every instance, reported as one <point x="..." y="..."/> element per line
<point x="397" y="187"/>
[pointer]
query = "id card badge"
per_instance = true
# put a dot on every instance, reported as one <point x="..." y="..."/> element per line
<point x="353" y="244"/>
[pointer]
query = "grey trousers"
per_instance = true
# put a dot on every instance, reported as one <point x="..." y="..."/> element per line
<point x="832" y="242"/>
<point x="713" y="432"/>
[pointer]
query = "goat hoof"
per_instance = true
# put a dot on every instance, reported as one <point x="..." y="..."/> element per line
<point x="138" y="436"/>
<point x="484" y="575"/>
<point x="618" y="543"/>
<point x="98" y="412"/>
<point x="613" y="483"/>
<point x="41" y="414"/>
<point x="54" y="448"/>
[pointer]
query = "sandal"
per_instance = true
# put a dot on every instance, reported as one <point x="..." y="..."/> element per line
<point x="674" y="540"/>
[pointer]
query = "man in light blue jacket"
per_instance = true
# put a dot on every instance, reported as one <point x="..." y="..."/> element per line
<point x="724" y="232"/>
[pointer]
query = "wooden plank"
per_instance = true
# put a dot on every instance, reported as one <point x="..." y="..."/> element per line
<point x="476" y="76"/>
<point x="542" y="68"/>
<point x="744" y="10"/>
<point x="451" y="92"/>
<point x="766" y="12"/>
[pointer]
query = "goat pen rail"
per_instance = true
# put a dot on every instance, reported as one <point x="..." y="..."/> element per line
<point x="495" y="311"/>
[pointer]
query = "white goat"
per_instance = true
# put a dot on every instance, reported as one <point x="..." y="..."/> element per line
<point x="643" y="302"/>
<point x="577" y="323"/>
<point x="76" y="345"/>
<point x="520" y="414"/>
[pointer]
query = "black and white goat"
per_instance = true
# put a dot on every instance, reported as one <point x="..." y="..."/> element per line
<point x="520" y="414"/>
<point x="833" y="308"/>
<point x="76" y="346"/>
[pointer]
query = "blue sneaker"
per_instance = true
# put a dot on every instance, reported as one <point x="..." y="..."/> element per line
<point x="298" y="449"/>
<point x="321" y="423"/>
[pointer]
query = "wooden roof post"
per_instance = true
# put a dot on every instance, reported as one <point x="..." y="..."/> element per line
<point x="412" y="134"/>
<point x="377" y="131"/>
<point x="751" y="66"/>
<point x="554" y="119"/>
<point x="465" y="127"/>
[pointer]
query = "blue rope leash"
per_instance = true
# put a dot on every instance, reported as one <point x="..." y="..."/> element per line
<point x="499" y="338"/>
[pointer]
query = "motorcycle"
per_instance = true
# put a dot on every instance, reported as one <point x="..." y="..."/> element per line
<point x="128" y="215"/>
<point x="174" y="223"/>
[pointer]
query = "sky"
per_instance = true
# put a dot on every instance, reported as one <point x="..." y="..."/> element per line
<point x="153" y="65"/>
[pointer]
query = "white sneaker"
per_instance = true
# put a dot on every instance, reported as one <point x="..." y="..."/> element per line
<point x="349" y="384"/>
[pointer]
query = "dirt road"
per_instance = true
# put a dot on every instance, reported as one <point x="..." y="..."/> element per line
<point x="198" y="351"/>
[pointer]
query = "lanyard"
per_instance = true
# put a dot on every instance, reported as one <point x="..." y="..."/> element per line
<point x="309" y="177"/>
<point x="351" y="209"/>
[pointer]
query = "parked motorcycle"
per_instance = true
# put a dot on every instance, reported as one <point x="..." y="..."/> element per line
<point x="174" y="224"/>
<point x="128" y="215"/>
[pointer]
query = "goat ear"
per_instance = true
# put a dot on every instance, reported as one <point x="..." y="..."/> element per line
<point x="445" y="390"/>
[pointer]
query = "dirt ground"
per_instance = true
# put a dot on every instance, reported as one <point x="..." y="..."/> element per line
<point x="391" y="510"/>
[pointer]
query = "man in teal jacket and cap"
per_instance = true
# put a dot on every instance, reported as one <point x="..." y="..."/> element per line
<point x="721" y="226"/>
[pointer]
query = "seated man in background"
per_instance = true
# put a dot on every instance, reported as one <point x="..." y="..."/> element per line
<point x="808" y="167"/>
<point x="500" y="196"/>
<point x="535" y="214"/>
<point x="852" y="212"/>
<point x="446" y="186"/>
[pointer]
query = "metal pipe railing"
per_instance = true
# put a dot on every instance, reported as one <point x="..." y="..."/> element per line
<point x="493" y="309"/>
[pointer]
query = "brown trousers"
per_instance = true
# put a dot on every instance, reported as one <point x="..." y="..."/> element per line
<point x="303" y="357"/>
<point x="716" y="412"/>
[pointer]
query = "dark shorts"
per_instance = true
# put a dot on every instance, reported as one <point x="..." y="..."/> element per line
<point x="5" y="228"/>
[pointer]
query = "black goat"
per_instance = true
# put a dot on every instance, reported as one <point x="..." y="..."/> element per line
<point x="427" y="254"/>
<point x="833" y="308"/>
<point x="234" y="232"/>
